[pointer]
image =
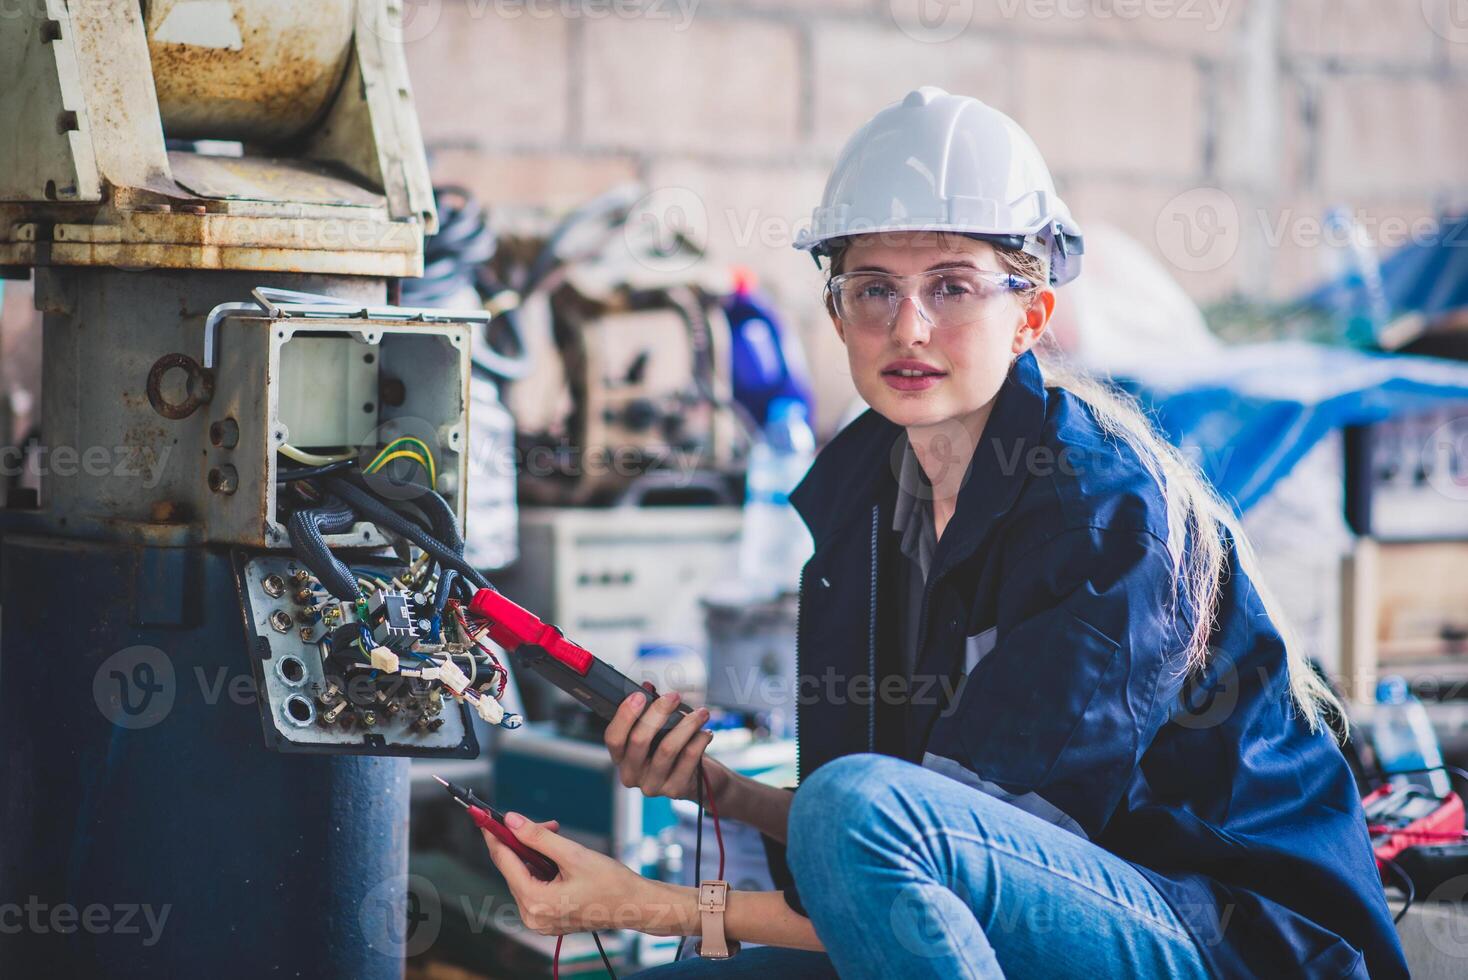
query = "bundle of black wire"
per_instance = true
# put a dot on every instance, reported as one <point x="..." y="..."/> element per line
<point x="348" y="498"/>
<point x="451" y="256"/>
<point x="379" y="512"/>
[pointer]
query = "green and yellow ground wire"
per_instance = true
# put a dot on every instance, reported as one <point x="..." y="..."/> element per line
<point x="394" y="450"/>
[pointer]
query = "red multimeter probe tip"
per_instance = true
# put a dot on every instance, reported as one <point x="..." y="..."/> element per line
<point x="491" y="820"/>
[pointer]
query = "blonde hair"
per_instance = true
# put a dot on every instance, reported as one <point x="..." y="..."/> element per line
<point x="1199" y="522"/>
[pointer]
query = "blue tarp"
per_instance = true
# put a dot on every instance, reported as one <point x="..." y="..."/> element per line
<point x="1428" y="276"/>
<point x="1248" y="414"/>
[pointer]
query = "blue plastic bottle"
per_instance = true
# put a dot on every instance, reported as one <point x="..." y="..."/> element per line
<point x="1402" y="736"/>
<point x="775" y="542"/>
<point x="767" y="360"/>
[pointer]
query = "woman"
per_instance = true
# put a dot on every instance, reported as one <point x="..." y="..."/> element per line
<point x="1047" y="724"/>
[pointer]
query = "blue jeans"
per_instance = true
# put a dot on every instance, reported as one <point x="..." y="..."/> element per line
<point x="908" y="873"/>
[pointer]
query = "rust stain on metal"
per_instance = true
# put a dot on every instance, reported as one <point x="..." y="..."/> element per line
<point x="277" y="83"/>
<point x="168" y="512"/>
<point x="200" y="386"/>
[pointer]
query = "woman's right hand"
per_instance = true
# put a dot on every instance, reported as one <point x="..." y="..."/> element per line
<point x="672" y="769"/>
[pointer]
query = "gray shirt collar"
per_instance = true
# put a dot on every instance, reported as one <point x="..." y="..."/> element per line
<point x="912" y="518"/>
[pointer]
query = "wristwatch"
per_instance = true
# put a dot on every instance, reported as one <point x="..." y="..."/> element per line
<point x="713" y="898"/>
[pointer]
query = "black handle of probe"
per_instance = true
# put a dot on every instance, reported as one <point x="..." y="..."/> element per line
<point x="602" y="688"/>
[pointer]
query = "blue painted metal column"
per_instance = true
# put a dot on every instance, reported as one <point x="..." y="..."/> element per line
<point x="145" y="830"/>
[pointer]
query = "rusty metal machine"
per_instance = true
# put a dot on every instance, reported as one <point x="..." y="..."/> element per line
<point x="216" y="199"/>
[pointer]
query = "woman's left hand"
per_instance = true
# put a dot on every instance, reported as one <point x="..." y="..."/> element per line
<point x="592" y="891"/>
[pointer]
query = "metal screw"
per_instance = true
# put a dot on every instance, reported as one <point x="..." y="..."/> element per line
<point x="369" y="718"/>
<point x="306" y="634"/>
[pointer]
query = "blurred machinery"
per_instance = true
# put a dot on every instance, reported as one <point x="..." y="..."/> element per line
<point x="621" y="577"/>
<point x="630" y="382"/>
<point x="217" y="201"/>
<point x="1406" y="601"/>
<point x="456" y="276"/>
<point x="751" y="656"/>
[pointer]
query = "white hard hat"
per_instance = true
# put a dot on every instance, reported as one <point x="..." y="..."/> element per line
<point x="940" y="162"/>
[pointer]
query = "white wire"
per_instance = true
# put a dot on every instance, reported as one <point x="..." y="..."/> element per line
<point x="311" y="459"/>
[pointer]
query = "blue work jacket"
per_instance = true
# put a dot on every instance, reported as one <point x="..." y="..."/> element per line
<point x="1056" y="565"/>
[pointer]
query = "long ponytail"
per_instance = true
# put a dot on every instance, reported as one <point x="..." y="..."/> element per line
<point x="1200" y="526"/>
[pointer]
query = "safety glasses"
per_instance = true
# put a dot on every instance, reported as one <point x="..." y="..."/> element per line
<point x="946" y="298"/>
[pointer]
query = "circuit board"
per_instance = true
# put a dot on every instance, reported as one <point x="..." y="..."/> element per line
<point x="385" y="675"/>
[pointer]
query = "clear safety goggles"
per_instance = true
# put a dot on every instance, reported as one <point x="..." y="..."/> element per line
<point x="953" y="297"/>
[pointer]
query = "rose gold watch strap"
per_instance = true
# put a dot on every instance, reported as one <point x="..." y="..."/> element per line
<point x="713" y="899"/>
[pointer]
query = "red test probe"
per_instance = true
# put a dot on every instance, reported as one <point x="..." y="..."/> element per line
<point x="491" y="820"/>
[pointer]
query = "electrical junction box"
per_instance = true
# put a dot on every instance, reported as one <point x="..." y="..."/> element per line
<point x="329" y="385"/>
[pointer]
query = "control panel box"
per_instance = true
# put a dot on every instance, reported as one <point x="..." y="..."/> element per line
<point x="299" y="390"/>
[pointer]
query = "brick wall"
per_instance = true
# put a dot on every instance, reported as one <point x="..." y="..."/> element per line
<point x="1215" y="131"/>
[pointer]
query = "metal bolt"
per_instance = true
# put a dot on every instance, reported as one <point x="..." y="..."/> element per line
<point x="369" y="718"/>
<point x="274" y="586"/>
<point x="280" y="620"/>
<point x="306" y="634"/>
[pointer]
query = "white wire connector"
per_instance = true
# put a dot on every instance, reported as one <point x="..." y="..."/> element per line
<point x="384" y="660"/>
<point x="451" y="677"/>
<point x="489" y="709"/>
